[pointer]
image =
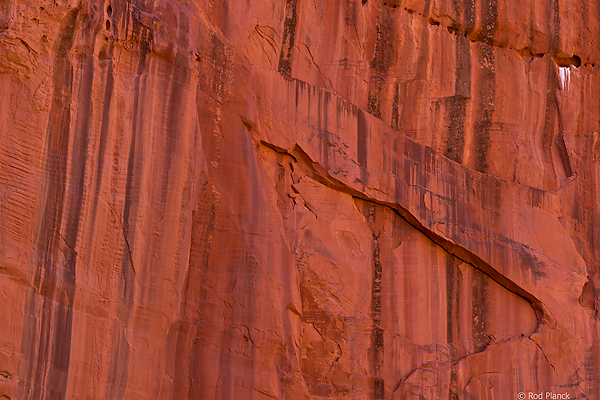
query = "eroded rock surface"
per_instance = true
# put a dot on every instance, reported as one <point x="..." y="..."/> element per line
<point x="299" y="199"/>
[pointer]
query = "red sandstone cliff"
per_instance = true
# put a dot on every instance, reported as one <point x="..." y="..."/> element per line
<point x="299" y="199"/>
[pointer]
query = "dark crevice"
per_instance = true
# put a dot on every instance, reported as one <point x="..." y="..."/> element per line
<point x="315" y="171"/>
<point x="544" y="354"/>
<point x="128" y="248"/>
<point x="433" y="22"/>
<point x="564" y="155"/>
<point x="565" y="61"/>
<point x="561" y="147"/>
<point x="527" y="52"/>
<point x="454" y="29"/>
<point x="589" y="298"/>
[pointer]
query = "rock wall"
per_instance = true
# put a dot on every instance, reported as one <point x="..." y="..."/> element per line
<point x="299" y="199"/>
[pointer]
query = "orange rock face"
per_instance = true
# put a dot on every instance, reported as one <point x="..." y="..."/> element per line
<point x="299" y="199"/>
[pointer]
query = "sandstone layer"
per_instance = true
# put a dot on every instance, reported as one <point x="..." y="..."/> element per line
<point x="299" y="199"/>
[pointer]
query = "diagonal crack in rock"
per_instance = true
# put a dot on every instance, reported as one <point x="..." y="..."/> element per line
<point x="317" y="172"/>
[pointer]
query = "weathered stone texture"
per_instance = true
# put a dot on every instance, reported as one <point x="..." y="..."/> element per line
<point x="299" y="199"/>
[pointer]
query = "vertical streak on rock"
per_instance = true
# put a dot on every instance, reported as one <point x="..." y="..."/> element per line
<point x="108" y="91"/>
<point x="382" y="59"/>
<point x="593" y="224"/>
<point x="362" y="142"/>
<point x="485" y="109"/>
<point x="323" y="105"/>
<point x="468" y="13"/>
<point x="456" y="108"/>
<point x="117" y="375"/>
<point x="479" y="322"/>
<point x="237" y="264"/>
<point x="192" y="339"/>
<point x="64" y="329"/>
<point x="452" y="307"/>
<point x="585" y="14"/>
<point x="46" y="350"/>
<point x="591" y="364"/>
<point x="289" y="36"/>
<point x="453" y="387"/>
<point x="395" y="122"/>
<point x="376" y="350"/>
<point x="453" y="285"/>
<point x="173" y="124"/>
<point x="560" y="142"/>
<point x="423" y="60"/>
<point x="551" y="112"/>
<point x="224" y="17"/>
<point x="179" y="77"/>
<point x="550" y="126"/>
<point x="414" y="90"/>
<point x="290" y="356"/>
<point x="486" y="83"/>
<point x="489" y="20"/>
<point x="553" y="17"/>
<point x="550" y="116"/>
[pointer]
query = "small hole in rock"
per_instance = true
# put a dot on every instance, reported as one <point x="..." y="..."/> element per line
<point x="433" y="22"/>
<point x="526" y="52"/>
<point x="109" y="10"/>
<point x="249" y="125"/>
<point x="565" y="61"/>
<point x="452" y="29"/>
<point x="107" y="25"/>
